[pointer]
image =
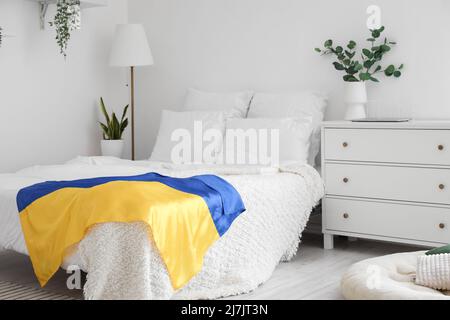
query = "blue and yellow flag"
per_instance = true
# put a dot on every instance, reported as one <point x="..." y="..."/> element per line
<point x="185" y="215"/>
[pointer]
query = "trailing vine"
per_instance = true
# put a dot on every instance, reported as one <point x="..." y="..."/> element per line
<point x="66" y="20"/>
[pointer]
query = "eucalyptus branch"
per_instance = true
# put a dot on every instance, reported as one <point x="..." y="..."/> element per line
<point x="362" y="70"/>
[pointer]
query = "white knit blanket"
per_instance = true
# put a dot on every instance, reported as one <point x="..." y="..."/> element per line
<point x="433" y="271"/>
<point x="122" y="262"/>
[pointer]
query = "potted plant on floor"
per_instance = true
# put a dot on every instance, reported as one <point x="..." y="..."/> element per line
<point x="361" y="68"/>
<point x="112" y="143"/>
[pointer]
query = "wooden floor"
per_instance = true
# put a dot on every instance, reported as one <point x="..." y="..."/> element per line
<point x="314" y="273"/>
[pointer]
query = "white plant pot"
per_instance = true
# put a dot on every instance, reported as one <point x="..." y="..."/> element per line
<point x="112" y="148"/>
<point x="356" y="100"/>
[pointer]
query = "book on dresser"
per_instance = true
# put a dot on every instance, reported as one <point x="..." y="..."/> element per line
<point x="387" y="181"/>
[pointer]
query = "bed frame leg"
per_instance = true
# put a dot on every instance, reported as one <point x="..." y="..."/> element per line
<point x="328" y="241"/>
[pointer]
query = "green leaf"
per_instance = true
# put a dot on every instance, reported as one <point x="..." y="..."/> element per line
<point x="375" y="34"/>
<point x="364" y="76"/>
<point x="368" y="64"/>
<point x="401" y="67"/>
<point x="371" y="39"/>
<point x="374" y="79"/>
<point x="347" y="62"/>
<point x="338" y="66"/>
<point x="339" y="49"/>
<point x="385" y="48"/>
<point x="105" y="130"/>
<point x="349" y="54"/>
<point x="377" y="55"/>
<point x="103" y="108"/>
<point x="115" y="127"/>
<point x="358" y="66"/>
<point x="317" y="50"/>
<point x="351" y="45"/>
<point x="110" y="131"/>
<point x="350" y="78"/>
<point x="123" y="126"/>
<point x="351" y="70"/>
<point x="328" y="43"/>
<point x="397" y="74"/>
<point x="389" y="71"/>
<point x="378" y="68"/>
<point x="124" y="112"/>
<point x="367" y="53"/>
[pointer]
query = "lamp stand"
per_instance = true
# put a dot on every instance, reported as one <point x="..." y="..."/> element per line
<point x="132" y="112"/>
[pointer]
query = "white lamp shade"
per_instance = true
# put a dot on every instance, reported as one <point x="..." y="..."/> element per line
<point x="130" y="47"/>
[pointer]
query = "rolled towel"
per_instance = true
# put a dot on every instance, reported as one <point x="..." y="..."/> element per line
<point x="433" y="271"/>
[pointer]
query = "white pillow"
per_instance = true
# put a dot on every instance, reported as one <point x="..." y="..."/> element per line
<point x="266" y="141"/>
<point x="296" y="105"/>
<point x="235" y="104"/>
<point x="189" y="137"/>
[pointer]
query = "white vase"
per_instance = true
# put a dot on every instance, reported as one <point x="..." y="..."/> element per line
<point x="356" y="100"/>
<point x="112" y="148"/>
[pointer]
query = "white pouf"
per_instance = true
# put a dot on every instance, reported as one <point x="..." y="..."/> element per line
<point x="388" y="277"/>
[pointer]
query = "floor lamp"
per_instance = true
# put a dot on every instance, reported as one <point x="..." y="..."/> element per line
<point x="130" y="49"/>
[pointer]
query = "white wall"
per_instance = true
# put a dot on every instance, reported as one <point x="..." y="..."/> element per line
<point x="48" y="106"/>
<point x="268" y="45"/>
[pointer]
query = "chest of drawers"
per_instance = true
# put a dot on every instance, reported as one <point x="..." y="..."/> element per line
<point x="387" y="181"/>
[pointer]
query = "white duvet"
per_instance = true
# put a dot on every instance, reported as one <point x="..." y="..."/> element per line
<point x="121" y="260"/>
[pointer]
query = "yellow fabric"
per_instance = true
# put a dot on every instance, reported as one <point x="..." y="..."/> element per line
<point x="180" y="222"/>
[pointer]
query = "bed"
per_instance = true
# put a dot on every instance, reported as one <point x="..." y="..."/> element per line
<point x="123" y="258"/>
<point x="120" y="259"/>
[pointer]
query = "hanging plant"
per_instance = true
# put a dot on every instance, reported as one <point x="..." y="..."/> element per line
<point x="67" y="19"/>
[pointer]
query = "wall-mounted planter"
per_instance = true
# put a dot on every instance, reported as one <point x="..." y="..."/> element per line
<point x="67" y="17"/>
<point x="85" y="4"/>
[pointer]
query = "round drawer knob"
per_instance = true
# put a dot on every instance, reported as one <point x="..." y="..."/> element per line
<point x="345" y="144"/>
<point x="441" y="186"/>
<point x="345" y="180"/>
<point x="345" y="215"/>
<point x="442" y="225"/>
<point x="440" y="147"/>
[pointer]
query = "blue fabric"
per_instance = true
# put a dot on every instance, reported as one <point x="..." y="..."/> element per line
<point x="224" y="202"/>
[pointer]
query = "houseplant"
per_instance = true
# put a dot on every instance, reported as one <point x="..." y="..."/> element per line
<point x="360" y="67"/>
<point x="67" y="19"/>
<point x="112" y="143"/>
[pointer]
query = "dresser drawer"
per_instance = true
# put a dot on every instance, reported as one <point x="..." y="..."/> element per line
<point x="430" y="147"/>
<point x="392" y="183"/>
<point x="420" y="223"/>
